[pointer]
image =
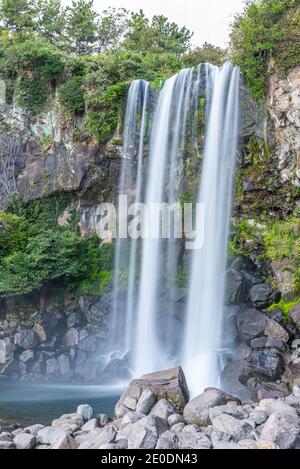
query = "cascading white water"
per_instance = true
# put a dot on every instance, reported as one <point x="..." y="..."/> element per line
<point x="144" y="318"/>
<point x="165" y="163"/>
<point x="135" y="126"/>
<point x="203" y="331"/>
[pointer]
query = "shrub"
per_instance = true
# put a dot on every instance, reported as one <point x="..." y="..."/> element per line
<point x="71" y="96"/>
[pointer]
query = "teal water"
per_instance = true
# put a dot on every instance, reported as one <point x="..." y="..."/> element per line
<point x="25" y="405"/>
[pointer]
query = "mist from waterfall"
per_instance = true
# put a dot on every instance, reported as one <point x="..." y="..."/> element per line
<point x="202" y="345"/>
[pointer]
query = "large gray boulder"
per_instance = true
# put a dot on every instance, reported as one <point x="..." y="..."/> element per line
<point x="235" y="429"/>
<point x="168" y="384"/>
<point x="251" y="324"/>
<point x="24" y="441"/>
<point x="192" y="438"/>
<point x="235" y="291"/>
<point x="98" y="438"/>
<point x="295" y="315"/>
<point x="196" y="412"/>
<point x="282" y="430"/>
<point x="263" y="295"/>
<point x="48" y="435"/>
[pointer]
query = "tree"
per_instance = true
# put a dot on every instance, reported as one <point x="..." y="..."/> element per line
<point x="157" y="36"/>
<point x="18" y="16"/>
<point x="82" y="26"/>
<point x="51" y="20"/>
<point x="112" y="26"/>
<point x="207" y="53"/>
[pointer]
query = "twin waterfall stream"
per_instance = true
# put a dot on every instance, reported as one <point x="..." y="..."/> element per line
<point x="195" y="113"/>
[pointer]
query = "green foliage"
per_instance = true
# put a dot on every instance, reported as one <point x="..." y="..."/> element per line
<point x="207" y="53"/>
<point x="111" y="28"/>
<point x="50" y="21"/>
<point x="158" y="35"/>
<point x="247" y="238"/>
<point x="266" y="29"/>
<point x="284" y="306"/>
<point x="35" y="65"/>
<point x="282" y="242"/>
<point x="35" y="251"/>
<point x="81" y="26"/>
<point x="71" y="96"/>
<point x="18" y="15"/>
<point x="13" y="233"/>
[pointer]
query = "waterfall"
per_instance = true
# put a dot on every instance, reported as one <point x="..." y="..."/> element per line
<point x="130" y="184"/>
<point x="203" y="331"/>
<point x="197" y="113"/>
<point x="158" y="260"/>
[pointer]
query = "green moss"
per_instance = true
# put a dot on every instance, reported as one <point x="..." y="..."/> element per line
<point x="247" y="238"/>
<point x="284" y="306"/>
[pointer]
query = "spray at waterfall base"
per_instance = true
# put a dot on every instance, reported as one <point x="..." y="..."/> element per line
<point x="156" y="317"/>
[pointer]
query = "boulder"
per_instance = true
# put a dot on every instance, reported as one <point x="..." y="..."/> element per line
<point x="295" y="315"/>
<point x="95" y="440"/>
<point x="7" y="445"/>
<point x="282" y="429"/>
<point x="6" y="350"/>
<point x="71" y="338"/>
<point x="24" y="441"/>
<point x="64" y="442"/>
<point x="174" y="419"/>
<point x="69" y="422"/>
<point x="34" y="429"/>
<point x="197" y="410"/>
<point x="191" y="437"/>
<point x="235" y="292"/>
<point x="48" y="435"/>
<point x="85" y="411"/>
<point x="26" y="356"/>
<point x="276" y="331"/>
<point x="251" y="324"/>
<point x="263" y="295"/>
<point x="163" y="409"/>
<point x="146" y="401"/>
<point x="236" y="429"/>
<point x="144" y="437"/>
<point x="26" y="339"/>
<point x="64" y="365"/>
<point x="169" y="384"/>
<point x="266" y="364"/>
<point x="232" y="409"/>
<point x="260" y="390"/>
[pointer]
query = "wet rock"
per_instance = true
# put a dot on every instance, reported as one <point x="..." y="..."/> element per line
<point x="71" y="338"/>
<point x="266" y="364"/>
<point x="260" y="390"/>
<point x="52" y="366"/>
<point x="26" y="339"/>
<point x="276" y="331"/>
<point x="116" y="370"/>
<point x="192" y="438"/>
<point x="89" y="344"/>
<point x="40" y="332"/>
<point x="262" y="295"/>
<point x="259" y="342"/>
<point x="63" y="364"/>
<point x="26" y="356"/>
<point x="197" y="410"/>
<point x="11" y="369"/>
<point x="85" y="411"/>
<point x="6" y="350"/>
<point x="24" y="441"/>
<point x="235" y="291"/>
<point x="295" y="315"/>
<point x="251" y="324"/>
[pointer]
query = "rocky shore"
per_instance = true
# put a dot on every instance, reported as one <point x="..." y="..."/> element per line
<point x="155" y="412"/>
